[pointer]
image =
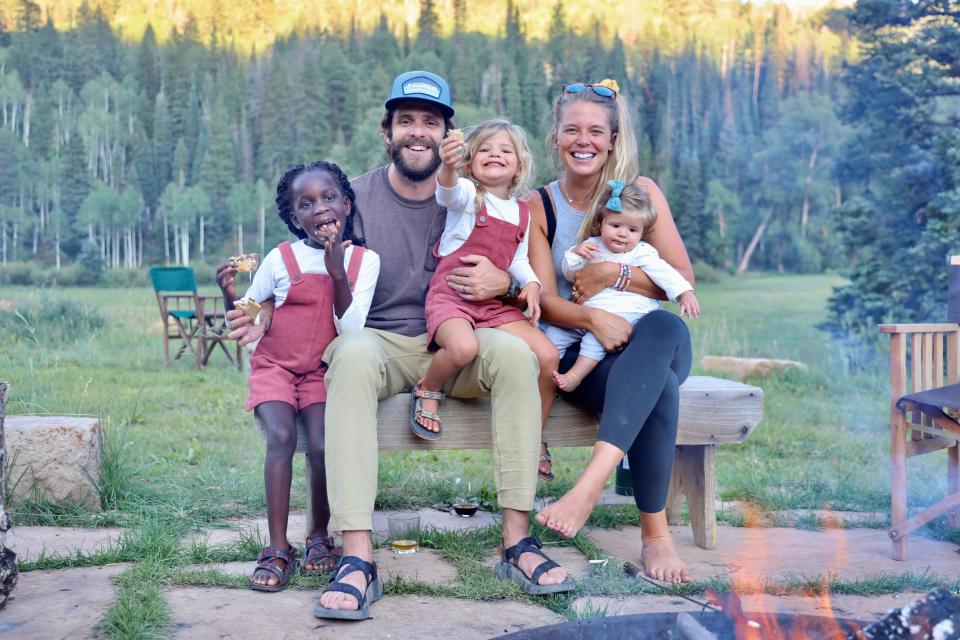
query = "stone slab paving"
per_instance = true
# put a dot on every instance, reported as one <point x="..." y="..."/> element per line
<point x="425" y="565"/>
<point x="297" y="525"/>
<point x="845" y="606"/>
<point x="31" y="542"/>
<point x="747" y="553"/>
<point x="66" y="603"/>
<point x="205" y="614"/>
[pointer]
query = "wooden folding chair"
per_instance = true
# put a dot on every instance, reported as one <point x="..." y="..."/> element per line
<point x="190" y="317"/>
<point x="924" y="380"/>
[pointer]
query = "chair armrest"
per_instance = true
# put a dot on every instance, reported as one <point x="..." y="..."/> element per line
<point x="929" y="327"/>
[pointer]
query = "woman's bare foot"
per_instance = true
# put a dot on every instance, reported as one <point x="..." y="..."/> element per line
<point x="567" y="515"/>
<point x="566" y="381"/>
<point x="660" y="560"/>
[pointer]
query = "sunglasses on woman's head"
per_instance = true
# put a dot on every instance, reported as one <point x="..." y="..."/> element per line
<point x="580" y="87"/>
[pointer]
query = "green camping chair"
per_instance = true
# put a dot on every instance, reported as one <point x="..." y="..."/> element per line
<point x="188" y="316"/>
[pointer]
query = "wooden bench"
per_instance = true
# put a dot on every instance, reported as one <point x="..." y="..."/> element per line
<point x="712" y="412"/>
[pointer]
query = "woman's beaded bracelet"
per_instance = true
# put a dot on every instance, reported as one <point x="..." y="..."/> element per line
<point x="623" y="280"/>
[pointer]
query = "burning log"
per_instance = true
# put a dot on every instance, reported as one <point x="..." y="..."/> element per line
<point x="8" y="559"/>
<point x="936" y="616"/>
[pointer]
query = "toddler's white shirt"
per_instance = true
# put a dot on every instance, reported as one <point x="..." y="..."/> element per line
<point x="461" y="217"/>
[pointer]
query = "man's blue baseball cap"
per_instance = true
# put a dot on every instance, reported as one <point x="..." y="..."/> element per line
<point x="421" y="85"/>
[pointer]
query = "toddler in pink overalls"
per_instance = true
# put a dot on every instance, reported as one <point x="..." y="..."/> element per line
<point x="484" y="218"/>
<point x="321" y="286"/>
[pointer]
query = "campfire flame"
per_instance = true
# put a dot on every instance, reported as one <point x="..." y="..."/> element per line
<point x="761" y="621"/>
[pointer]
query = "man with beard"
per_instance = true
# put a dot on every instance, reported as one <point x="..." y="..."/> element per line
<point x="402" y="222"/>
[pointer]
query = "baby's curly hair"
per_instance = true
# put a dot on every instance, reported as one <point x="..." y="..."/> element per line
<point x="285" y="197"/>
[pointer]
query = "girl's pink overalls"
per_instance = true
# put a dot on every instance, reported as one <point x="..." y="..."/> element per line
<point x="498" y="241"/>
<point x="287" y="365"/>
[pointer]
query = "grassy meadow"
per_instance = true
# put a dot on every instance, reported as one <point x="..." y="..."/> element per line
<point x="180" y="453"/>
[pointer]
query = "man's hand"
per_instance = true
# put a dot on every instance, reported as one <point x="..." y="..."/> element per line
<point x="593" y="279"/>
<point x="478" y="280"/>
<point x="586" y="250"/>
<point x="531" y="295"/>
<point x="242" y="327"/>
<point x="611" y="330"/>
<point x="689" y="305"/>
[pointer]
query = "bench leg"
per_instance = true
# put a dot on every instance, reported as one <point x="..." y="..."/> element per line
<point x="953" y="481"/>
<point x="898" y="483"/>
<point x="675" y="494"/>
<point x="697" y="466"/>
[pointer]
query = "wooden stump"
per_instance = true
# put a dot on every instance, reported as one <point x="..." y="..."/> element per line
<point x="8" y="559"/>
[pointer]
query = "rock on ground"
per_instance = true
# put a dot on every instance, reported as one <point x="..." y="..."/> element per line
<point x="205" y="614"/>
<point x="56" y="455"/>
<point x="743" y="368"/>
<point x="66" y="603"/>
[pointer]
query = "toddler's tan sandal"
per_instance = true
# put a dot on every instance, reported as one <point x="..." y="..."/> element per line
<point x="417" y="411"/>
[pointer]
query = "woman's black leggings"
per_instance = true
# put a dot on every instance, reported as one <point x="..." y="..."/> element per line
<point x="638" y="392"/>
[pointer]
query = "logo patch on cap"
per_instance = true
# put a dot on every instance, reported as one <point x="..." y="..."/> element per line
<point x="421" y="86"/>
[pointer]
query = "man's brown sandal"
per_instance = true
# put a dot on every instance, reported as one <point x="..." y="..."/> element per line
<point x="417" y="411"/>
<point x="266" y="562"/>
<point x="321" y="554"/>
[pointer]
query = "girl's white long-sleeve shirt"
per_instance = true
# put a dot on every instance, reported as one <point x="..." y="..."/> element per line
<point x="272" y="281"/>
<point x="461" y="216"/>
<point x="644" y="256"/>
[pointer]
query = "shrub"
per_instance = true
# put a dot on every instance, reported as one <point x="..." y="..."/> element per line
<point x="51" y="321"/>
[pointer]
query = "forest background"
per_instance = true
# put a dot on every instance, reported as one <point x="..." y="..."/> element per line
<point x="802" y="141"/>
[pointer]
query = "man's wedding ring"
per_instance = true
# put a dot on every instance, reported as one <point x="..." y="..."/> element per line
<point x="463" y="288"/>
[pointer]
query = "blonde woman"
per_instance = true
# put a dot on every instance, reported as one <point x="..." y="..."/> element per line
<point x="484" y="218"/>
<point x="635" y="387"/>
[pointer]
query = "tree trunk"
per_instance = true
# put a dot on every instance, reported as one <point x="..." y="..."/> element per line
<point x="805" y="210"/>
<point x="745" y="260"/>
<point x="56" y="246"/>
<point x="28" y="101"/>
<point x="240" y="239"/>
<point x="202" y="225"/>
<point x="166" y="242"/>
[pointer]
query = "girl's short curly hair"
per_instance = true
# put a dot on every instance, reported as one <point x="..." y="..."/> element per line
<point x="285" y="197"/>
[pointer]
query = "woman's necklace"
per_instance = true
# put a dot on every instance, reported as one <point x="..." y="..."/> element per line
<point x="569" y="199"/>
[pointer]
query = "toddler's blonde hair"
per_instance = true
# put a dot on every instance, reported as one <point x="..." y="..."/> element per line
<point x="482" y="132"/>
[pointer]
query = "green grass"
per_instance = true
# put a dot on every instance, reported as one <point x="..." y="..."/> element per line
<point x="180" y="454"/>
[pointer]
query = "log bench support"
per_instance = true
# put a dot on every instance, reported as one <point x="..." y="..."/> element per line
<point x="712" y="412"/>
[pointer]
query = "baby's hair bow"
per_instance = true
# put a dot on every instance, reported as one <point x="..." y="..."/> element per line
<point x="613" y="202"/>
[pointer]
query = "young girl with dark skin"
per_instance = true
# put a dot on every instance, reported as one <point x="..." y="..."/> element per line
<point x="593" y="142"/>
<point x="320" y="287"/>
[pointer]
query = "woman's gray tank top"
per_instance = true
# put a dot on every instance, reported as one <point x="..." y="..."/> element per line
<point x="565" y="237"/>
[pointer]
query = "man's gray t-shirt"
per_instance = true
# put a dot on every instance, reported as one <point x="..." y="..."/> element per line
<point x="403" y="233"/>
